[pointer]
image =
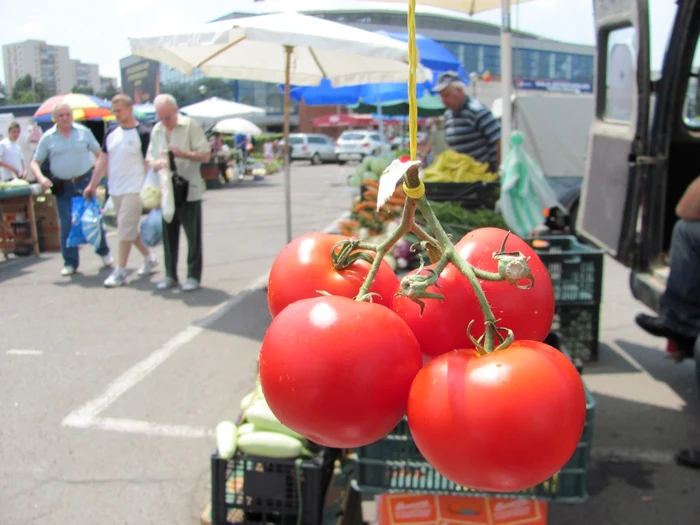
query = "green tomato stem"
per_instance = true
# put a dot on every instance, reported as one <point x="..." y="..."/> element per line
<point x="407" y="215"/>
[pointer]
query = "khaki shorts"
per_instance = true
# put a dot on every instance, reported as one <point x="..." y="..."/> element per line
<point x="128" y="208"/>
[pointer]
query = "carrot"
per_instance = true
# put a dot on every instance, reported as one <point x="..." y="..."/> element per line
<point x="367" y="215"/>
<point x="371" y="183"/>
<point x="364" y="205"/>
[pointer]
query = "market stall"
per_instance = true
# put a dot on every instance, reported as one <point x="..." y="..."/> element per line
<point x="18" y="222"/>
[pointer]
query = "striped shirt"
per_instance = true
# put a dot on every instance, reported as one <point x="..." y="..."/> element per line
<point x="474" y="131"/>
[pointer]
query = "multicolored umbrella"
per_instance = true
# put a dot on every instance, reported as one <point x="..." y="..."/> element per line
<point x="85" y="107"/>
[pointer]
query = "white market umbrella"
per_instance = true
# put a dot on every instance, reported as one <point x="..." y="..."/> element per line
<point x="237" y="126"/>
<point x="215" y="108"/>
<point x="472" y="7"/>
<point x="288" y="48"/>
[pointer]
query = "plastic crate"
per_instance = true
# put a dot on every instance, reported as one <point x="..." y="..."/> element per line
<point x="247" y="489"/>
<point x="576" y="269"/>
<point x="394" y="464"/>
<point x="578" y="326"/>
<point x="470" y="195"/>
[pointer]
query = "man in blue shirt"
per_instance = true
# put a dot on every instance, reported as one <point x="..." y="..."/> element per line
<point x="470" y="127"/>
<point x="69" y="147"/>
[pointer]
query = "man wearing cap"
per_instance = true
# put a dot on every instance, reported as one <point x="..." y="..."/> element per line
<point x="470" y="128"/>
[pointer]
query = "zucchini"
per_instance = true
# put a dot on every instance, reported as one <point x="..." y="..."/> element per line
<point x="226" y="438"/>
<point x="271" y="445"/>
<point x="246" y="428"/>
<point x="262" y="417"/>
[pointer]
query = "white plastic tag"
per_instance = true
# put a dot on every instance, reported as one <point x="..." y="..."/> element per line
<point x="390" y="177"/>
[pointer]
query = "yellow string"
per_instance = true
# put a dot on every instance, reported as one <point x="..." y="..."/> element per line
<point x="412" y="66"/>
<point x="414" y="193"/>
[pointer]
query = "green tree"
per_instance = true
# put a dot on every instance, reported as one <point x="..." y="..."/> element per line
<point x="82" y="90"/>
<point x="108" y="93"/>
<point x="23" y="92"/>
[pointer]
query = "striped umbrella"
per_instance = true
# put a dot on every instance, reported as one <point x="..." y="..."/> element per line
<point x="85" y="107"/>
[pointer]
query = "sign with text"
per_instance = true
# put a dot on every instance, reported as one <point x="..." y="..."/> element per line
<point x="140" y="80"/>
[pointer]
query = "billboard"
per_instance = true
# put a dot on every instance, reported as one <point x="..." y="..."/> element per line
<point x="140" y="79"/>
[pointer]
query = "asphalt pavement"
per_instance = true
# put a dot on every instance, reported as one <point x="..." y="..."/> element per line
<point x="109" y="397"/>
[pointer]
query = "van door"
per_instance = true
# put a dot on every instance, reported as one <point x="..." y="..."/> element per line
<point x="617" y="150"/>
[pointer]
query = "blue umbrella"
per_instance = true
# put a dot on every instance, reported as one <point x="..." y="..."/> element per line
<point x="432" y="56"/>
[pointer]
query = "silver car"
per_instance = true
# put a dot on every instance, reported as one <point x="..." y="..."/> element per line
<point x="315" y="147"/>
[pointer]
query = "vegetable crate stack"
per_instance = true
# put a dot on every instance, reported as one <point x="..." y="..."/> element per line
<point x="456" y="177"/>
<point x="47" y="223"/>
<point x="264" y="472"/>
<point x="576" y="271"/>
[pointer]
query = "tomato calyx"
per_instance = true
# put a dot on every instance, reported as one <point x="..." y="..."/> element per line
<point x="415" y="286"/>
<point x="504" y="342"/>
<point x="345" y="253"/>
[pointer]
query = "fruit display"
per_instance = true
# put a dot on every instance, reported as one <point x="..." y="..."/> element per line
<point x="450" y="166"/>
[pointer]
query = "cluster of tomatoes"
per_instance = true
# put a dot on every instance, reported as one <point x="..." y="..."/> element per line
<point x="344" y="372"/>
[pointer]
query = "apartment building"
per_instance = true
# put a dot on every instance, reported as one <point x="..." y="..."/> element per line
<point x="51" y="65"/>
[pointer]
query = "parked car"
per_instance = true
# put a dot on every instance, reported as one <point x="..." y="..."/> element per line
<point x="357" y="144"/>
<point x="400" y="142"/>
<point x="317" y="148"/>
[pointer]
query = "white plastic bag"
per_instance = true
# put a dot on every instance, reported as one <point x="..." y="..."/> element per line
<point x="167" y="197"/>
<point x="150" y="193"/>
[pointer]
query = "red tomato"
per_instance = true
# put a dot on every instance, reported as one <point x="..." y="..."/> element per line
<point x="529" y="313"/>
<point x="443" y="325"/>
<point x="502" y="422"/>
<point x="304" y="267"/>
<point x="338" y="371"/>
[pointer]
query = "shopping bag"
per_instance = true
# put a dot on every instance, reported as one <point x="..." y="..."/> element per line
<point x="76" y="237"/>
<point x="167" y="200"/>
<point x="152" y="228"/>
<point x="91" y="223"/>
<point x="150" y="193"/>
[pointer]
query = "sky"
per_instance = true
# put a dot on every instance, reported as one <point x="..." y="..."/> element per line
<point x="97" y="32"/>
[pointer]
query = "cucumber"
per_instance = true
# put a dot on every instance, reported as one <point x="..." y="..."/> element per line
<point x="226" y="437"/>
<point x="246" y="428"/>
<point x="271" y="445"/>
<point x="262" y="417"/>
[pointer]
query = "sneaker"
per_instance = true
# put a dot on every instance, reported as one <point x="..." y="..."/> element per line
<point x="67" y="271"/>
<point x="166" y="284"/>
<point x="116" y="278"/>
<point x="107" y="260"/>
<point x="148" y="266"/>
<point x="190" y="285"/>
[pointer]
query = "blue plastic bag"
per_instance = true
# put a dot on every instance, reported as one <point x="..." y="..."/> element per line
<point x="86" y="223"/>
<point x="152" y="228"/>
<point x="76" y="236"/>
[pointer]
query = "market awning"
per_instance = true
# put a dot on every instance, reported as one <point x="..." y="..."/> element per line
<point x="343" y="120"/>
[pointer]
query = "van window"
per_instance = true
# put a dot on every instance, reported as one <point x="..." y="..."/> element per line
<point x="620" y="75"/>
<point x="691" y="107"/>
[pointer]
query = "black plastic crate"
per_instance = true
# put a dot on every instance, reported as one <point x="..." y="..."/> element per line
<point x="247" y="489"/>
<point x="576" y="269"/>
<point x="394" y="464"/>
<point x="470" y="195"/>
<point x="577" y="325"/>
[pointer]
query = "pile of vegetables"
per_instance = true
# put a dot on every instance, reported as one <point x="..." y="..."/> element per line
<point x="457" y="346"/>
<point x="370" y="169"/>
<point x="259" y="433"/>
<point x="13" y="183"/>
<point x="450" y="166"/>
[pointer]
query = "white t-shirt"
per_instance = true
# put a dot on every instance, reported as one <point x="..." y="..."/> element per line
<point x="10" y="153"/>
<point x="127" y="150"/>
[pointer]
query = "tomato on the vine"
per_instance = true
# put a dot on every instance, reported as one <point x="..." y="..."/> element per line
<point x="338" y="371"/>
<point x="442" y="326"/>
<point x="504" y="422"/>
<point x="304" y="268"/>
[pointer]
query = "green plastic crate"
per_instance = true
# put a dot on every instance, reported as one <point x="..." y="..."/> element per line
<point x="576" y="269"/>
<point x="394" y="464"/>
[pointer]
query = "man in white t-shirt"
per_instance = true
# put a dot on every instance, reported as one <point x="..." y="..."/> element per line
<point x="11" y="161"/>
<point x="124" y="156"/>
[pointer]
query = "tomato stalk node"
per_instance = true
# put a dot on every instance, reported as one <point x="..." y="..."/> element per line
<point x="347" y="252"/>
<point x="512" y="267"/>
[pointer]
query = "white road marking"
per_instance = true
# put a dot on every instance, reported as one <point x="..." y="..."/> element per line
<point x="134" y="426"/>
<point x="89" y="411"/>
<point x="86" y="415"/>
<point x="17" y="351"/>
